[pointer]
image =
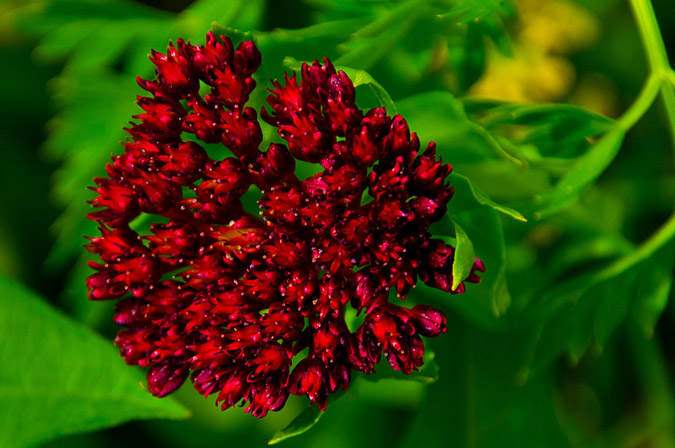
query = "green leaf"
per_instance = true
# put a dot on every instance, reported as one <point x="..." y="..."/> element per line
<point x="57" y="377"/>
<point x="74" y="132"/>
<point x="361" y="78"/>
<point x="300" y="424"/>
<point x="485" y="302"/>
<point x="440" y="117"/>
<point x="235" y="14"/>
<point x="233" y="33"/>
<point x="539" y="115"/>
<point x="472" y="56"/>
<point x="428" y="373"/>
<point x="464" y="257"/>
<point x="476" y="10"/>
<point x="589" y="308"/>
<point x="477" y="401"/>
<point x="467" y="197"/>
<point x="586" y="170"/>
<point x="655" y="283"/>
<point x="305" y="43"/>
<point x="374" y="41"/>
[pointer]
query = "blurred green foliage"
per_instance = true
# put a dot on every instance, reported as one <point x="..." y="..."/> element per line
<point x="567" y="341"/>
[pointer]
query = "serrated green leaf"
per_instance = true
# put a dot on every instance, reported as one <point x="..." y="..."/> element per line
<point x="465" y="257"/>
<point x="57" y="377"/>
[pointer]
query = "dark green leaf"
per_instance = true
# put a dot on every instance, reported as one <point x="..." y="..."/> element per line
<point x="589" y="308"/>
<point x="476" y="10"/>
<point x="57" y="377"/>
<point x="234" y="14"/>
<point x="234" y="34"/>
<point x="428" y="373"/>
<point x="473" y="56"/>
<point x="375" y="40"/>
<point x="477" y="401"/>
<point x="654" y="285"/>
<point x="303" y="422"/>
<point x="300" y="424"/>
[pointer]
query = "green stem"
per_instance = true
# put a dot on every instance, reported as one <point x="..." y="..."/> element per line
<point x="641" y="104"/>
<point x="651" y="35"/>
<point x="656" y="56"/>
<point x="658" y="239"/>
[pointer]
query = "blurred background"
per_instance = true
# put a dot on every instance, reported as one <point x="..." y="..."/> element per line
<point x="531" y="358"/>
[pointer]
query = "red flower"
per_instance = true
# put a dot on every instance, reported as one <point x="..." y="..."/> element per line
<point x="231" y="299"/>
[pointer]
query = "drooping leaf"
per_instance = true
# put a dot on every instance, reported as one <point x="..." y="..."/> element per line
<point x="57" y="377"/>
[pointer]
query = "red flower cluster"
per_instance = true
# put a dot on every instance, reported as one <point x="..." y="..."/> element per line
<point x="238" y="300"/>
